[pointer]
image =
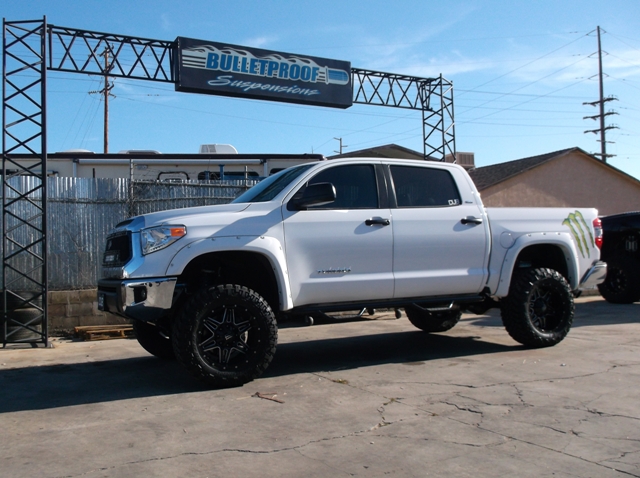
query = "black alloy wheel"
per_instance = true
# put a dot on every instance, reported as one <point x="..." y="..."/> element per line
<point x="225" y="335"/>
<point x="538" y="312"/>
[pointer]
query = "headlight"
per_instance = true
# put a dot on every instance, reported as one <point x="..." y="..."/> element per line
<point x="156" y="238"/>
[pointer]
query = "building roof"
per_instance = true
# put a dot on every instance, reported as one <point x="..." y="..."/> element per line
<point x="488" y="176"/>
<point x="386" y="151"/>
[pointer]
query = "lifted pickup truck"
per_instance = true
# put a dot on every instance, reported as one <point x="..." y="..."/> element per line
<point x="208" y="284"/>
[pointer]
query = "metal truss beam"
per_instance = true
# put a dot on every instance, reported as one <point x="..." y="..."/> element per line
<point x="432" y="96"/>
<point x="83" y="51"/>
<point x="24" y="205"/>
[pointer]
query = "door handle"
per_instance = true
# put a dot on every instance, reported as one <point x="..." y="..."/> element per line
<point x="377" y="222"/>
<point x="471" y="220"/>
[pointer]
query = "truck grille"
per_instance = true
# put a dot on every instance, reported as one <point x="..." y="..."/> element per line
<point x="118" y="250"/>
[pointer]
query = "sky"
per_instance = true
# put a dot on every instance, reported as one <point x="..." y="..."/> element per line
<point x="521" y="73"/>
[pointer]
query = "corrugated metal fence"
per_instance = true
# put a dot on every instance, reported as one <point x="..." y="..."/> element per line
<point x="82" y="211"/>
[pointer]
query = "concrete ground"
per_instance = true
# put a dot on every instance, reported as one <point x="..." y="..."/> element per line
<point x="349" y="399"/>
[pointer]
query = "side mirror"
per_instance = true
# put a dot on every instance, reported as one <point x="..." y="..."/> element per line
<point x="313" y="195"/>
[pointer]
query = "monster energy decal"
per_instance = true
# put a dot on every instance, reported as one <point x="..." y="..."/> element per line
<point x="577" y="225"/>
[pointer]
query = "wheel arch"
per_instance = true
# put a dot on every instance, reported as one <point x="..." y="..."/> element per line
<point x="541" y="250"/>
<point x="257" y="268"/>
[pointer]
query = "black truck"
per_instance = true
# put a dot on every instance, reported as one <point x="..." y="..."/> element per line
<point x="621" y="252"/>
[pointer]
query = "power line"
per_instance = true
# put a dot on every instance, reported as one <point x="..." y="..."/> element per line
<point x="529" y="84"/>
<point x="526" y="64"/>
<point x="521" y="103"/>
<point x="623" y="42"/>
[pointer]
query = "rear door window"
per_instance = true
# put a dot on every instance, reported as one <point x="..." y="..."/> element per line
<point x="424" y="187"/>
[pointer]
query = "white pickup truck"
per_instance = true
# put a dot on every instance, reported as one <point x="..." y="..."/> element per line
<point x="209" y="284"/>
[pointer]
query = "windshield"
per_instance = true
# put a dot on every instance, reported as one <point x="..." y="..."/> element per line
<point x="269" y="188"/>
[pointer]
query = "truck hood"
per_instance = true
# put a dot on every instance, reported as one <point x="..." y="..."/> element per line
<point x="188" y="216"/>
<point x="241" y="219"/>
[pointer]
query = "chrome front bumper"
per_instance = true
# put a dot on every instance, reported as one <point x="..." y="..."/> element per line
<point x="146" y="299"/>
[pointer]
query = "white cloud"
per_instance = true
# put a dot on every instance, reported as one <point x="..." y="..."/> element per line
<point x="408" y="50"/>
<point x="165" y="22"/>
<point x="449" y="65"/>
<point x="260" y="42"/>
<point x="623" y="64"/>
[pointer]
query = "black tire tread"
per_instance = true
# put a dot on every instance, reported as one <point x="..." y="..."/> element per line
<point x="183" y="332"/>
<point x="17" y="328"/>
<point x="515" y="308"/>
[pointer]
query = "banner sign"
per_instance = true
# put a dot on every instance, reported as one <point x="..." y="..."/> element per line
<point x="229" y="70"/>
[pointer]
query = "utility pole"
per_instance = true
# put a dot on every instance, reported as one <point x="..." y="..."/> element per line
<point x="341" y="145"/>
<point x="106" y="92"/>
<point x="602" y="130"/>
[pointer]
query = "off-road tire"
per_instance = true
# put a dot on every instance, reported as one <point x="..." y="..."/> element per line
<point x="153" y="340"/>
<point x="225" y="335"/>
<point x="622" y="284"/>
<point x="428" y="321"/>
<point x="538" y="311"/>
<point x="24" y="322"/>
<point x="23" y="325"/>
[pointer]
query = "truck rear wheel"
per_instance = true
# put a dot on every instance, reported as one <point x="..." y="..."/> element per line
<point x="622" y="284"/>
<point x="152" y="340"/>
<point x="538" y="312"/>
<point x="429" y="321"/>
<point x="225" y="335"/>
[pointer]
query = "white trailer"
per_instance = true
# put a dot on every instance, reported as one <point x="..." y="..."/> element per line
<point x="214" y="162"/>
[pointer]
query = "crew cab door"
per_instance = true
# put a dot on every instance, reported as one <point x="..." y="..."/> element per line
<point x="440" y="234"/>
<point x="342" y="251"/>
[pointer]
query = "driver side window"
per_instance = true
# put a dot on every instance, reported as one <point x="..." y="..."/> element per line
<point x="356" y="186"/>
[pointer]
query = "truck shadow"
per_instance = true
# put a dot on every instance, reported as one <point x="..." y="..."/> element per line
<point x="591" y="313"/>
<point x="601" y="312"/>
<point x="369" y="350"/>
<point x="63" y="385"/>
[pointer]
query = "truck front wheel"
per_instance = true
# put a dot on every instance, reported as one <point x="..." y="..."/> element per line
<point x="436" y="321"/>
<point x="225" y="335"/>
<point x="538" y="311"/>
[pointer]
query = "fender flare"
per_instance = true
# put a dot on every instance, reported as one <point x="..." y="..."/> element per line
<point x="267" y="246"/>
<point x="561" y="239"/>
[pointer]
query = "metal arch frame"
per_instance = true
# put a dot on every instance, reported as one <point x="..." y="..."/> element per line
<point x="433" y="96"/>
<point x="144" y="59"/>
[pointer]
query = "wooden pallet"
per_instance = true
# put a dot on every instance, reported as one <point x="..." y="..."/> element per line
<point x="104" y="332"/>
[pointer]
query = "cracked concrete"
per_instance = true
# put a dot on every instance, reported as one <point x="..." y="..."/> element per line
<point x="349" y="399"/>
